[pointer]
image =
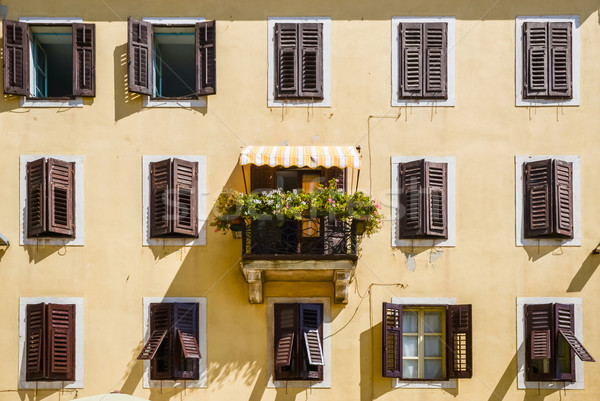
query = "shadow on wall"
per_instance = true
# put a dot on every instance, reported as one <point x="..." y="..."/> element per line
<point x="585" y="272"/>
<point x="126" y="103"/>
<point x="535" y="253"/>
<point x="37" y="253"/>
<point x="505" y="382"/>
<point x="39" y="395"/>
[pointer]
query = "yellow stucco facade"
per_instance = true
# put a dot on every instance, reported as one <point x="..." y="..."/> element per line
<point x="484" y="131"/>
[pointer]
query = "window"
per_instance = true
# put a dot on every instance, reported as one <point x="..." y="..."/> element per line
<point x="299" y="62"/>
<point x="427" y="342"/>
<point x="49" y="59"/>
<point x="423" y="61"/>
<point x="294" y="178"/>
<point x="172" y="59"/>
<point x="548" y="59"/>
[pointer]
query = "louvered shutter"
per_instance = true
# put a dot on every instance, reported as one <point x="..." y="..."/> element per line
<point x="186" y="352"/>
<point x="206" y="58"/>
<point x="16" y="57"/>
<point x="285" y="339"/>
<point x="459" y="340"/>
<point x="84" y="60"/>
<point x="411" y="59"/>
<point x="412" y="181"/>
<point x="310" y="58"/>
<point x="61" y="342"/>
<point x="564" y="321"/>
<point x="311" y="338"/>
<point x="286" y="53"/>
<point x="435" y="50"/>
<point x="436" y="199"/>
<point x="161" y="319"/>
<point x="392" y="340"/>
<point x="36" y="198"/>
<point x="61" y="192"/>
<point x="140" y="56"/>
<point x="185" y="198"/>
<point x="35" y="345"/>
<point x="537" y="178"/>
<point x="535" y="59"/>
<point x="563" y="198"/>
<point x="160" y="197"/>
<point x="539" y="337"/>
<point x="262" y="178"/>
<point x="151" y="346"/>
<point x="559" y="52"/>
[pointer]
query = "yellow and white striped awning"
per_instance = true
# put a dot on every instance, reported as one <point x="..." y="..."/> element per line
<point x="301" y="156"/>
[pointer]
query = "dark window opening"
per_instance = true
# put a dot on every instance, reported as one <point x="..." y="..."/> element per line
<point x="52" y="57"/>
<point x="174" y="62"/>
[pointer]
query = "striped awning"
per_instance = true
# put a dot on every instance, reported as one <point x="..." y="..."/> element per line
<point x="301" y="156"/>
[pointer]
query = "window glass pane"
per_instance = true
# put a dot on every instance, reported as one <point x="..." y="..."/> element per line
<point x="410" y="369"/>
<point x="410" y="346"/>
<point x="433" y="345"/>
<point x="433" y="368"/>
<point x="433" y="321"/>
<point x="409" y="322"/>
<point x="564" y="356"/>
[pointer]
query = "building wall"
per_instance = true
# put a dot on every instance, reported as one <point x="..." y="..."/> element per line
<point x="484" y="131"/>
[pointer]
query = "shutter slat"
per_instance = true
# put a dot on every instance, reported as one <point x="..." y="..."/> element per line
<point x="412" y="181"/>
<point x="185" y="198"/>
<point x="563" y="198"/>
<point x="61" y="341"/>
<point x="84" y="60"/>
<point x="36" y="198"/>
<point x="283" y="350"/>
<point x="15" y="41"/>
<point x="559" y="49"/>
<point x="411" y="59"/>
<point x="160" y="198"/>
<point x="311" y="60"/>
<point x="35" y="341"/>
<point x="189" y="345"/>
<point x="459" y="329"/>
<point x="151" y="346"/>
<point x="61" y="192"/>
<point x="435" y="53"/>
<point x="537" y="177"/>
<point x="576" y="346"/>
<point x="314" y="349"/>
<point x="392" y="340"/>
<point x="139" y="56"/>
<point x="206" y="58"/>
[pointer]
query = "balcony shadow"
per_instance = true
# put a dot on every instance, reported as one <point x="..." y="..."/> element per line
<point x="3" y="252"/>
<point x="535" y="253"/>
<point x="506" y="381"/>
<point x="126" y="103"/>
<point x="585" y="272"/>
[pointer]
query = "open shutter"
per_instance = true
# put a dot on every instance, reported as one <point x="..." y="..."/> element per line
<point x="412" y="180"/>
<point x="206" y="58"/>
<point x="435" y="44"/>
<point x="559" y="51"/>
<point x="155" y="340"/>
<point x="160" y="198"/>
<point x="411" y="59"/>
<point x="459" y="340"/>
<point x="392" y="340"/>
<point x="15" y="38"/>
<point x="436" y="199"/>
<point x="535" y="59"/>
<point x="35" y="342"/>
<point x="61" y="342"/>
<point x="311" y="60"/>
<point x="311" y="318"/>
<point x="563" y="198"/>
<point x="36" y="198"/>
<point x="139" y="53"/>
<point x="185" y="321"/>
<point x="189" y="345"/>
<point x="61" y="191"/>
<point x="539" y="335"/>
<point x="161" y="320"/>
<point x="286" y="327"/>
<point x="564" y="320"/>
<point x="185" y="197"/>
<point x="262" y="178"/>
<point x="84" y="60"/>
<point x="286" y="53"/>
<point x="537" y="177"/>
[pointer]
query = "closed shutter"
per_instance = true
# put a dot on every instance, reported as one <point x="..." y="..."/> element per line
<point x="61" y="342"/>
<point x="435" y="60"/>
<point x="411" y="59"/>
<point x="392" y="340"/>
<point x="564" y="321"/>
<point x="286" y="342"/>
<point x="412" y="181"/>
<point x="160" y="197"/>
<point x="436" y="199"/>
<point x="35" y="342"/>
<point x="84" y="60"/>
<point x="185" y="198"/>
<point x="61" y="192"/>
<point x="559" y="52"/>
<point x="535" y="59"/>
<point x="311" y="61"/>
<point x="311" y="316"/>
<point x="537" y="178"/>
<point x="161" y="319"/>
<point x="140" y="58"/>
<point x="206" y="58"/>
<point x="286" y="53"/>
<point x="563" y="198"/>
<point x="459" y="340"/>
<point x="36" y="198"/>
<point x="262" y="178"/>
<point x="16" y="57"/>
<point x="539" y="337"/>
<point x="186" y="352"/>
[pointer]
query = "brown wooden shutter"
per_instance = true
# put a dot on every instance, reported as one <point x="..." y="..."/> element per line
<point x="286" y="341"/>
<point x="160" y="198"/>
<point x="559" y="59"/>
<point x="411" y="59"/>
<point x="151" y="346"/>
<point x="36" y="198"/>
<point x="392" y="340"/>
<point x="206" y="58"/>
<point x="436" y="199"/>
<point x="564" y="321"/>
<point x="262" y="178"/>
<point x="311" y="316"/>
<point x="535" y="59"/>
<point x="140" y="56"/>
<point x="539" y="337"/>
<point x="61" y="342"/>
<point x="286" y="53"/>
<point x="84" y="60"/>
<point x="185" y="198"/>
<point x="435" y="43"/>
<point x="310" y="58"/>
<point x="537" y="178"/>
<point x="35" y="342"/>
<point x="563" y="198"/>
<point x="185" y="320"/>
<point x="161" y="319"/>
<point x="189" y="345"/>
<point x="459" y="340"/>
<point x="61" y="197"/>
<point x="15" y="42"/>
<point x="412" y="181"/>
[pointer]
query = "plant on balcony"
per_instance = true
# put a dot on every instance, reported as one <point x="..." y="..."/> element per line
<point x="278" y="205"/>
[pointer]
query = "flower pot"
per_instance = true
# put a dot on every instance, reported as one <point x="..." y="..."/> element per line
<point x="360" y="225"/>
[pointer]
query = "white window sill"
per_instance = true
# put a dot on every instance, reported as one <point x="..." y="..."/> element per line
<point x="149" y="102"/>
<point x="70" y="103"/>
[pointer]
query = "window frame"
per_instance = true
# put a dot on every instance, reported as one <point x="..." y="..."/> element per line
<point x="450" y="63"/>
<point x="575" y="61"/>
<point x="79" y="343"/>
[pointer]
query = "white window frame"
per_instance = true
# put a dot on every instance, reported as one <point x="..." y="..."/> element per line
<point x="411" y="301"/>
<point x="575" y="62"/>
<point x="32" y="102"/>
<point x="79" y="226"/>
<point x="148" y="101"/>
<point x="202" y="381"/>
<point x="326" y="382"/>
<point x="396" y="101"/>
<point x="55" y="384"/>
<point x="201" y="207"/>
<point x="395" y="194"/>
<point x="272" y="100"/>
<point x="520" y="213"/>
<point x="578" y="384"/>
